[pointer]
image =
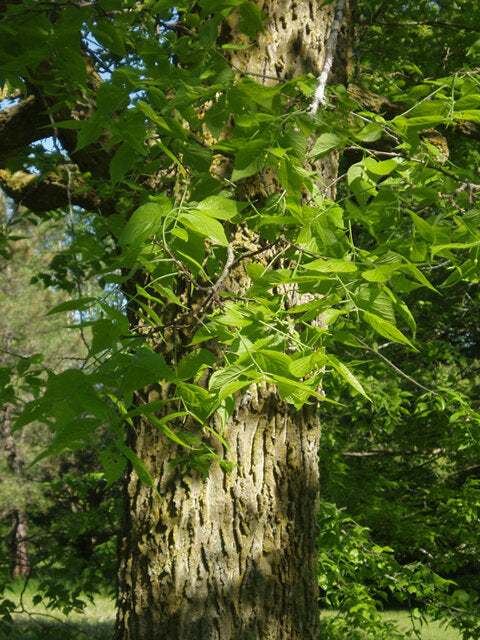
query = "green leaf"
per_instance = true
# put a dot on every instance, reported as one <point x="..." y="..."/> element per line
<point x="381" y="273"/>
<point x="324" y="144"/>
<point x="440" y="248"/>
<point x="194" y="363"/>
<point x="220" y="207"/>
<point x="346" y="374"/>
<point x="113" y="465"/>
<point x="205" y="225"/>
<point x="211" y="6"/>
<point x="425" y="230"/>
<point x="198" y="401"/>
<point x="472" y="101"/>
<point x="140" y="468"/>
<point x="145" y="221"/>
<point x="79" y="304"/>
<point x="370" y="132"/>
<point x="223" y="377"/>
<point x="271" y="361"/>
<point x="252" y="19"/>
<point x="105" y="333"/>
<point x="386" y="329"/>
<point x="146" y="367"/>
<point x="331" y="266"/>
<point x="161" y="423"/>
<point x="383" y="168"/>
<point x="294" y="392"/>
<point x="250" y="159"/>
<point x="305" y="365"/>
<point x="122" y="162"/>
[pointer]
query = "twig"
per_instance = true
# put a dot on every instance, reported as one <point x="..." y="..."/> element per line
<point x="380" y="452"/>
<point x="180" y="265"/>
<point x="319" y="96"/>
<point x="394" y="366"/>
<point x="428" y="23"/>
<point x="249" y="254"/>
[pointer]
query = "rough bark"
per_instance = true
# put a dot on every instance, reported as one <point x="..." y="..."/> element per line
<point x="233" y="557"/>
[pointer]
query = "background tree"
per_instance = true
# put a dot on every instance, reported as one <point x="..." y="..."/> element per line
<point x="208" y="190"/>
<point x="58" y="520"/>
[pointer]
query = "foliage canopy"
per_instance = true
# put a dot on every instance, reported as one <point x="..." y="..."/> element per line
<point x="154" y="134"/>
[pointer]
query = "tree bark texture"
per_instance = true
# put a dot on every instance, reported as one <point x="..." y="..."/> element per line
<point x="233" y="556"/>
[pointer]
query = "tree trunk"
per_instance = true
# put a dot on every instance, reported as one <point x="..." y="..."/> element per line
<point x="19" y="545"/>
<point x="233" y="556"/>
<point x="19" y="555"/>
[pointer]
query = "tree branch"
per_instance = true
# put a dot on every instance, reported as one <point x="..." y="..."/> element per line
<point x="394" y="366"/>
<point x="22" y="124"/>
<point x="381" y="452"/>
<point x="51" y="191"/>
<point x="428" y="23"/>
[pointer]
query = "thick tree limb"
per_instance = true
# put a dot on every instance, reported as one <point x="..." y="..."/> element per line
<point x="46" y="192"/>
<point x="20" y="125"/>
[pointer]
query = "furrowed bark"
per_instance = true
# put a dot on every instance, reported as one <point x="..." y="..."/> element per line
<point x="233" y="557"/>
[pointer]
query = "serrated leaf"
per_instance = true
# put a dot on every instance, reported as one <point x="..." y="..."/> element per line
<point x="161" y="424"/>
<point x="113" y="464"/>
<point x="193" y="363"/>
<point x="306" y="364"/>
<point x="250" y="159"/>
<point x="252" y="19"/>
<point x="370" y="132"/>
<point x="293" y="391"/>
<point x="381" y="273"/>
<point x="271" y="361"/>
<point x="453" y="245"/>
<point x="382" y="168"/>
<point x="425" y="230"/>
<point x="146" y="367"/>
<point x="386" y="329"/>
<point x="197" y="400"/>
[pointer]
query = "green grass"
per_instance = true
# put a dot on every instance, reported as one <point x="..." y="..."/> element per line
<point x="97" y="622"/>
<point x="431" y="631"/>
